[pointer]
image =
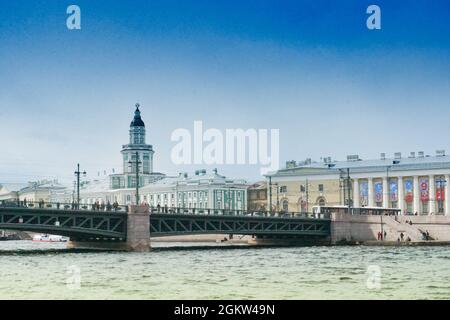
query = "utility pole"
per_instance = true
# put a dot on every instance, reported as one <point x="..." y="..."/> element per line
<point x="137" y="163"/>
<point x="278" y="197"/>
<point x="270" y="194"/>
<point x="348" y="191"/>
<point x="77" y="173"/>
<point x="307" y="195"/>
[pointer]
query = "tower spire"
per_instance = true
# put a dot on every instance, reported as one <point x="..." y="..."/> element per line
<point x="137" y="120"/>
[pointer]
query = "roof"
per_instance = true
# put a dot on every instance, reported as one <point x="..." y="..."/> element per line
<point x="42" y="185"/>
<point x="97" y="185"/>
<point x="260" y="185"/>
<point x="394" y="164"/>
<point x="6" y="188"/>
<point x="137" y="120"/>
<point x="201" y="177"/>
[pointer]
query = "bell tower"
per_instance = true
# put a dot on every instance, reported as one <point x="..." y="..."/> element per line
<point x="137" y="144"/>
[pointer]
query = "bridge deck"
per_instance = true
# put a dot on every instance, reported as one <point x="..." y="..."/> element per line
<point x="95" y="224"/>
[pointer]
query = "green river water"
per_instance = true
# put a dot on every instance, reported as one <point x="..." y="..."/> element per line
<point x="31" y="270"/>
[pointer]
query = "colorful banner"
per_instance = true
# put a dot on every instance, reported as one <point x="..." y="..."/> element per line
<point x="409" y="195"/>
<point x="363" y="193"/>
<point x="378" y="191"/>
<point x="440" y="187"/>
<point x="424" y="193"/>
<point x="393" y="190"/>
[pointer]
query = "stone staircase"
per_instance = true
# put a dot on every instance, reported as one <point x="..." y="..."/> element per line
<point x="395" y="228"/>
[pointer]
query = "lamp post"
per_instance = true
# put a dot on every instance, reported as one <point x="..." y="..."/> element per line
<point x="136" y="163"/>
<point x="388" y="191"/>
<point x="270" y="194"/>
<point x="77" y="173"/>
<point x="346" y="186"/>
<point x="278" y="198"/>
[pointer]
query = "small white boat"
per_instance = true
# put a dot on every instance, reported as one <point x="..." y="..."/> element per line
<point x="49" y="238"/>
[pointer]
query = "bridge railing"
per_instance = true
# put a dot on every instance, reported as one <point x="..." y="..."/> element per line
<point x="106" y="207"/>
<point x="228" y="212"/>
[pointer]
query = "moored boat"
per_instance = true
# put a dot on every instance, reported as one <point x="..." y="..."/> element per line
<point x="49" y="238"/>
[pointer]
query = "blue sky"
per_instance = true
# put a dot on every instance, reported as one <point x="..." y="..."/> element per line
<point x="309" y="68"/>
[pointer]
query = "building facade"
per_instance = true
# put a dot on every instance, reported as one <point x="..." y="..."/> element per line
<point x="8" y="194"/>
<point x="257" y="197"/>
<point x="40" y="191"/>
<point x="414" y="184"/>
<point x="202" y="190"/>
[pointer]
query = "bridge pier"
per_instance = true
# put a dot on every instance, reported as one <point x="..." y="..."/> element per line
<point x="138" y="234"/>
<point x="138" y="229"/>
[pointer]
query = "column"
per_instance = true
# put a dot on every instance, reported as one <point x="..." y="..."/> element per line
<point x="385" y="193"/>
<point x="400" y="195"/>
<point x="447" y="194"/>
<point x="370" y="192"/>
<point x="431" y="195"/>
<point x="356" y="193"/>
<point x="416" y="194"/>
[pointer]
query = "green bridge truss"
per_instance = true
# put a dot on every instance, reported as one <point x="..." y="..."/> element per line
<point x="84" y="224"/>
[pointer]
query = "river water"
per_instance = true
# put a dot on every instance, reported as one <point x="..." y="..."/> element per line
<point x="31" y="270"/>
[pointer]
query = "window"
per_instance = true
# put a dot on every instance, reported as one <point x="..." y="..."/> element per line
<point x="285" y="205"/>
<point x="320" y="187"/>
<point x="283" y="189"/>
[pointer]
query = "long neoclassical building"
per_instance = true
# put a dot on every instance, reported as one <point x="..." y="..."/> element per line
<point x="418" y="183"/>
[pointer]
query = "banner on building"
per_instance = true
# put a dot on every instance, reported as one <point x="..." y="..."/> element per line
<point x="440" y="193"/>
<point x="364" y="193"/>
<point x="393" y="190"/>
<point x="378" y="191"/>
<point x="424" y="193"/>
<point x="409" y="195"/>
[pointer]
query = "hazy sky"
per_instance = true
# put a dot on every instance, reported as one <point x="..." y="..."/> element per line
<point x="309" y="68"/>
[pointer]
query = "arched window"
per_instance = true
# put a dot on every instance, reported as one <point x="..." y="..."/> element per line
<point x="321" y="201"/>
<point x="302" y="205"/>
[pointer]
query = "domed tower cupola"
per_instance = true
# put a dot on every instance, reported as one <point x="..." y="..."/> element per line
<point x="137" y="128"/>
<point x="137" y="120"/>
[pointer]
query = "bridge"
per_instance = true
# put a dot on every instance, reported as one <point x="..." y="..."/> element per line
<point x="130" y="227"/>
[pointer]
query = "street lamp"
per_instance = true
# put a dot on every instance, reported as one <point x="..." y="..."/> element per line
<point x="347" y="187"/>
<point x="278" y="198"/>
<point x="137" y="163"/>
<point x="77" y="173"/>
<point x="388" y="191"/>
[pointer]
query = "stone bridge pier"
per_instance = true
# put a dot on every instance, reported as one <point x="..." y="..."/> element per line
<point x="137" y="239"/>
